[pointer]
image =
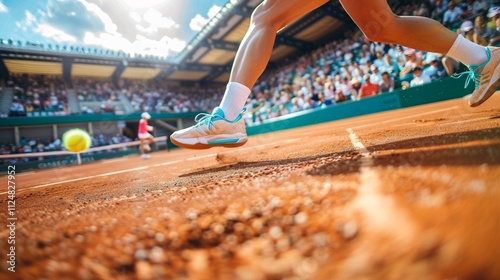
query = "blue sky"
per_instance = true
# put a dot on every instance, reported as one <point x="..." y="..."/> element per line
<point x="158" y="27"/>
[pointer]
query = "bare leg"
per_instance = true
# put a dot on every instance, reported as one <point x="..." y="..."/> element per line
<point x="141" y="146"/>
<point x="380" y="24"/>
<point x="449" y="65"/>
<point x="151" y="140"/>
<point x="256" y="47"/>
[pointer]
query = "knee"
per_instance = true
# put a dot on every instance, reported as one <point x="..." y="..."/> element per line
<point x="264" y="16"/>
<point x="380" y="27"/>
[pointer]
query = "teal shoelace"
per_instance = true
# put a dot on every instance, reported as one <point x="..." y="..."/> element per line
<point x="208" y="119"/>
<point x="472" y="75"/>
<point x="205" y="119"/>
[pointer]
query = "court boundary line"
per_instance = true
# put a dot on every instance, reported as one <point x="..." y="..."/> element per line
<point x="406" y="117"/>
<point x="142" y="167"/>
<point x="380" y="211"/>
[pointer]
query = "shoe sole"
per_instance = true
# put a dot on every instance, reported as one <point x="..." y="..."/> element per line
<point x="491" y="90"/>
<point x="202" y="146"/>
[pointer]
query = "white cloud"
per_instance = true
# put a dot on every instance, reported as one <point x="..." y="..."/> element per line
<point x="135" y="16"/>
<point x="3" y="8"/>
<point x="162" y="47"/>
<point x="156" y="21"/>
<point x="176" y="45"/>
<point x="32" y="25"/>
<point x="108" y="41"/>
<point x="141" y="4"/>
<point x="28" y="21"/>
<point x="109" y="26"/>
<point x="54" y="33"/>
<point x="199" y="21"/>
<point x="154" y="17"/>
<point x="141" y="45"/>
<point x="213" y="11"/>
<point x="30" y="18"/>
<point x="149" y="29"/>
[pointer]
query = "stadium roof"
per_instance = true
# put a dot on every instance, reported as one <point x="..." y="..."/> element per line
<point x="207" y="58"/>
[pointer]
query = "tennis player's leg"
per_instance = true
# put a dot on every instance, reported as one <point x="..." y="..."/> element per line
<point x="225" y="126"/>
<point x="379" y="23"/>
<point x="141" y="147"/>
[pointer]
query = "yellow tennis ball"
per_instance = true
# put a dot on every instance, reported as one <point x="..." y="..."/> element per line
<point x="76" y="140"/>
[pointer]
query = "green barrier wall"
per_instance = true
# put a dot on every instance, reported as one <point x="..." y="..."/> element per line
<point x="33" y="121"/>
<point x="444" y="89"/>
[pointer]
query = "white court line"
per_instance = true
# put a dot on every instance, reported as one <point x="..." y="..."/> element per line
<point x="381" y="211"/>
<point x="464" y="121"/>
<point x="407" y="117"/>
<point x="25" y="173"/>
<point x="113" y="160"/>
<point x="142" y="167"/>
<point x="82" y="178"/>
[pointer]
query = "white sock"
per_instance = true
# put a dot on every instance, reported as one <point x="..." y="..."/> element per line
<point x="234" y="100"/>
<point x="467" y="52"/>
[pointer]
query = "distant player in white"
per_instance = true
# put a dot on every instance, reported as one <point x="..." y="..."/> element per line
<point x="143" y="134"/>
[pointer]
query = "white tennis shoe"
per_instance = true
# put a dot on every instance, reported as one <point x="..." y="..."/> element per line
<point x="485" y="76"/>
<point x="212" y="130"/>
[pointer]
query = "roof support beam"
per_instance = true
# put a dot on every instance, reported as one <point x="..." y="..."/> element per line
<point x="335" y="10"/>
<point x="219" y="44"/>
<point x="118" y="72"/>
<point x="216" y="71"/>
<point x="289" y="41"/>
<point x="242" y="10"/>
<point x="66" y="71"/>
<point x="4" y="72"/>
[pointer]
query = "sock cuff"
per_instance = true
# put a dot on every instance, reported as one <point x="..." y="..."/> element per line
<point x="456" y="44"/>
<point x="238" y="87"/>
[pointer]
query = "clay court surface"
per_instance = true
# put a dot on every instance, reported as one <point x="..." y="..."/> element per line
<point x="407" y="194"/>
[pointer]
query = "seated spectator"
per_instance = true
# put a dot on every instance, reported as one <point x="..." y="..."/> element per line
<point x="296" y="107"/>
<point x="493" y="14"/>
<point x="310" y="103"/>
<point x="355" y="87"/>
<point x="368" y="88"/>
<point x="435" y="69"/>
<point x="467" y="30"/>
<point x="495" y="35"/>
<point x="419" y="77"/>
<point x="452" y="15"/>
<point x="387" y="84"/>
<point x="413" y="59"/>
<point x="329" y="90"/>
<point x="376" y="76"/>
<point x="28" y="107"/>
<point x="16" y="108"/>
<point x="482" y="34"/>
<point x="389" y="66"/>
<point x="480" y="7"/>
<point x="345" y="91"/>
<point x="438" y="11"/>
<point x="379" y="61"/>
